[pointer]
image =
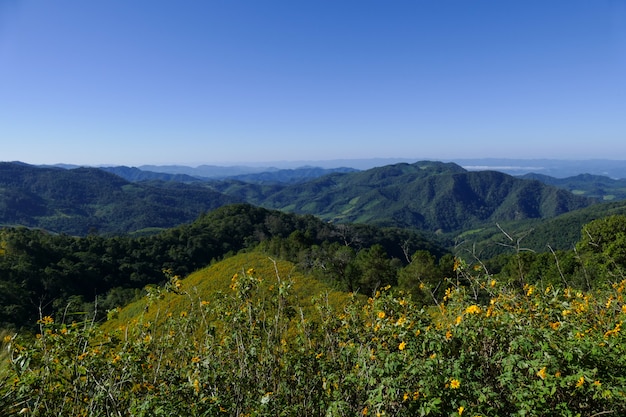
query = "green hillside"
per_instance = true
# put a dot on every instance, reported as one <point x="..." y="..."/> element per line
<point x="430" y="196"/>
<point x="245" y="338"/>
<point x="208" y="285"/>
<point x="87" y="200"/>
<point x="595" y="186"/>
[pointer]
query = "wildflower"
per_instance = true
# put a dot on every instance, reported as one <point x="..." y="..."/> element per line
<point x="250" y="271"/>
<point x="580" y="382"/>
<point x="416" y="395"/>
<point x="7" y="339"/>
<point x="458" y="320"/>
<point x="46" y="320"/>
<point x="195" y="359"/>
<point x="455" y="383"/>
<point x="530" y="291"/>
<point x="461" y="409"/>
<point x="555" y="325"/>
<point x="205" y="303"/>
<point x="183" y="314"/>
<point x="597" y="383"/>
<point x="613" y="332"/>
<point x="542" y="373"/>
<point x="402" y="346"/>
<point x="364" y="412"/>
<point x="448" y="335"/>
<point x="492" y="283"/>
<point x="457" y="264"/>
<point x="406" y="396"/>
<point x="473" y="309"/>
<point x="381" y="314"/>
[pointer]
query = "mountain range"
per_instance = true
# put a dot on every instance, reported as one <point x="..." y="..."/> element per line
<point x="431" y="196"/>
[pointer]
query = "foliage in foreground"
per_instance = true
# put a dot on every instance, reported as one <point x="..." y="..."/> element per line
<point x="486" y="349"/>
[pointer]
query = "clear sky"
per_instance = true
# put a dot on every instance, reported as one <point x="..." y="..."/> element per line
<point x="222" y="81"/>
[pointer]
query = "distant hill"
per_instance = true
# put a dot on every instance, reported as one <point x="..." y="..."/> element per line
<point x="273" y="176"/>
<point x="83" y="200"/>
<point x="289" y="176"/>
<point x="135" y="174"/>
<point x="427" y="195"/>
<point x="595" y="186"/>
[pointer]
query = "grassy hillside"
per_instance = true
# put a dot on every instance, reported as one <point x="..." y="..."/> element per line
<point x="208" y="285"/>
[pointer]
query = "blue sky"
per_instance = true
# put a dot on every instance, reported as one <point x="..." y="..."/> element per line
<point x="229" y="81"/>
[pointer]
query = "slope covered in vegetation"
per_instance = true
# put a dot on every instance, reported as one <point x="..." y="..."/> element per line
<point x="243" y="338"/>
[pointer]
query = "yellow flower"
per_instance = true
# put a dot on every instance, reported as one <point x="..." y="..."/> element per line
<point x="473" y="309"/>
<point x="364" y="412"/>
<point x="448" y="335"/>
<point x="458" y="320"/>
<point x="195" y="359"/>
<point x="461" y="409"/>
<point x="492" y="283"/>
<point x="402" y="346"/>
<point x="46" y="320"/>
<point x="7" y="339"/>
<point x="542" y="373"/>
<point x="597" y="383"/>
<point x="381" y="314"/>
<point x="457" y="264"/>
<point x="455" y="383"/>
<point x="580" y="382"/>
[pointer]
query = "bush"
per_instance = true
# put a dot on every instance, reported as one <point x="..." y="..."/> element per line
<point x="486" y="349"/>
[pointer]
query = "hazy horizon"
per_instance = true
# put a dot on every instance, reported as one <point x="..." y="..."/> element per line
<point x="247" y="82"/>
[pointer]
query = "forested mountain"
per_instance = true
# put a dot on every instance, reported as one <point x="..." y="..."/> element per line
<point x="135" y="174"/>
<point x="596" y="186"/>
<point x="430" y="196"/>
<point x="85" y="200"/>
